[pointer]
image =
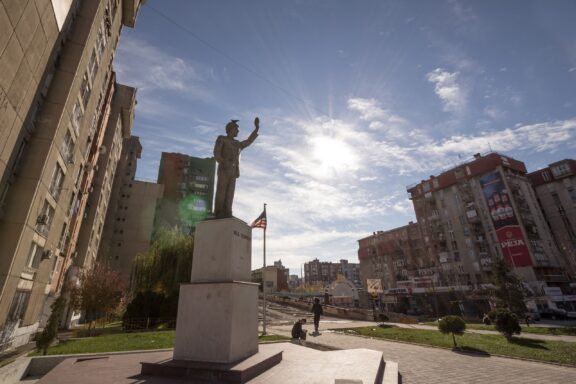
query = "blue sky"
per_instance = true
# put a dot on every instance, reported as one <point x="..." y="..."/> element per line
<point x="357" y="100"/>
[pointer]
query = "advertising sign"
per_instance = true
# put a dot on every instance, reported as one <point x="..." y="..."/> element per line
<point x="374" y="286"/>
<point x="508" y="230"/>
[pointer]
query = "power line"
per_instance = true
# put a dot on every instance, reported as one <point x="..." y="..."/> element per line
<point x="233" y="60"/>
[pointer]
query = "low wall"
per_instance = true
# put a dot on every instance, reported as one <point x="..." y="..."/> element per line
<point x="343" y="312"/>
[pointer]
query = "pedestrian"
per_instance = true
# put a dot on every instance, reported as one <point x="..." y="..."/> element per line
<point x="297" y="332"/>
<point x="317" y="311"/>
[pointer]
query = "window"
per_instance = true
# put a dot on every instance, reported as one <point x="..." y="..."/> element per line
<point x="100" y="42"/>
<point x="57" y="182"/>
<point x="44" y="220"/>
<point x="77" y="115"/>
<point x="560" y="170"/>
<point x="572" y="193"/>
<point x="67" y="148"/>
<point x="19" y="305"/>
<point x="34" y="256"/>
<point x="92" y="66"/>
<point x="546" y="176"/>
<point x="85" y="90"/>
<point x="63" y="237"/>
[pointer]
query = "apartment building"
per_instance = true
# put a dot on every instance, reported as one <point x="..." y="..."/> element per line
<point x="324" y="272"/>
<point x="129" y="222"/>
<point x="57" y="89"/>
<point x="188" y="190"/>
<point x="555" y="188"/>
<point x="273" y="277"/>
<point x="467" y="216"/>
<point x="399" y="259"/>
<point x="484" y="209"/>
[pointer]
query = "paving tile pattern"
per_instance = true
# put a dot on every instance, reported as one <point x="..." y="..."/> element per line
<point x="433" y="365"/>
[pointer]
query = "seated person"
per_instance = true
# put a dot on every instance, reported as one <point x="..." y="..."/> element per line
<point x="297" y="331"/>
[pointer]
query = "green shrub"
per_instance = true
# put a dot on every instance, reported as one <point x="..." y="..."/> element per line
<point x="50" y="331"/>
<point x="505" y="322"/>
<point x="452" y="324"/>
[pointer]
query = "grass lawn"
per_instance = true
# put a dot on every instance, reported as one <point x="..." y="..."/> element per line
<point x="551" y="351"/>
<point x="555" y="331"/>
<point x="126" y="342"/>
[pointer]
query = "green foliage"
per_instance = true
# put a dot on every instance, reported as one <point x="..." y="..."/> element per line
<point x="508" y="292"/>
<point x="148" y="309"/>
<point x="101" y="291"/>
<point x="167" y="263"/>
<point x="48" y="335"/>
<point x="543" y="350"/>
<point x="452" y="324"/>
<point x="505" y="322"/>
<point x="157" y="276"/>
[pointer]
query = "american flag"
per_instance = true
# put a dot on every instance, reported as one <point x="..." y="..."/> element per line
<point x="260" y="222"/>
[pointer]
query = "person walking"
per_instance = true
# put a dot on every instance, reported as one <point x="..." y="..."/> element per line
<point x="317" y="311"/>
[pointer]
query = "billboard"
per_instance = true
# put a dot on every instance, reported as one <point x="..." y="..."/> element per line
<point x="508" y="231"/>
<point x="374" y="285"/>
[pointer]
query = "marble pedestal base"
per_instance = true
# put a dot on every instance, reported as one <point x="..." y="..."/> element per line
<point x="217" y="322"/>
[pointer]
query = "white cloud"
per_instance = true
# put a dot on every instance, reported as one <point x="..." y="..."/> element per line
<point x="494" y="112"/>
<point x="447" y="88"/>
<point x="144" y="65"/>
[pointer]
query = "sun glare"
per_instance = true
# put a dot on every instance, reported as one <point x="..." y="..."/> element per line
<point x="333" y="154"/>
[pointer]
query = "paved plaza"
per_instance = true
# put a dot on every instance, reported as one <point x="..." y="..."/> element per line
<point x="426" y="365"/>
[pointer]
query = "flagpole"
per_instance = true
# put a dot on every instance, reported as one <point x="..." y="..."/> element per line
<point x="264" y="283"/>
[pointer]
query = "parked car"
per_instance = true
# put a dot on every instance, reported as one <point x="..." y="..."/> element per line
<point x="532" y="315"/>
<point x="553" y="313"/>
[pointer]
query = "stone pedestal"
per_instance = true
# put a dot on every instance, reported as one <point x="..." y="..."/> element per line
<point x="217" y="322"/>
<point x="218" y="311"/>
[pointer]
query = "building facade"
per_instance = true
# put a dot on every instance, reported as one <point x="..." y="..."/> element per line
<point x="466" y="217"/>
<point x="555" y="188"/>
<point x="57" y="89"/>
<point x="318" y="272"/>
<point x="188" y="190"/>
<point x="129" y="222"/>
<point x="274" y="278"/>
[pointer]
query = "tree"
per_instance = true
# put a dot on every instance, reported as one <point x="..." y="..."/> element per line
<point x="505" y="322"/>
<point x="452" y="324"/>
<point x="48" y="335"/>
<point x="157" y="276"/>
<point x="508" y="292"/>
<point x="101" y="291"/>
<point x="167" y="263"/>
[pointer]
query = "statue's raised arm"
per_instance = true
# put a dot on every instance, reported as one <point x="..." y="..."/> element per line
<point x="227" y="154"/>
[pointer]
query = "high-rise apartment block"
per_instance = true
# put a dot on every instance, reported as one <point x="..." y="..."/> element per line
<point x="466" y="217"/>
<point x="188" y="190"/>
<point x="555" y="187"/>
<point x="325" y="272"/>
<point x="59" y="136"/>
<point x="129" y="222"/>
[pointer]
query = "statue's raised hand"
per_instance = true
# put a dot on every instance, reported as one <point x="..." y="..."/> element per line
<point x="257" y="123"/>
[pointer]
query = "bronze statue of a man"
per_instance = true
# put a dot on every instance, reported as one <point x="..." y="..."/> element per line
<point x="227" y="154"/>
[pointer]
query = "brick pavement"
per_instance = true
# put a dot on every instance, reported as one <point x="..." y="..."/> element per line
<point x="427" y="365"/>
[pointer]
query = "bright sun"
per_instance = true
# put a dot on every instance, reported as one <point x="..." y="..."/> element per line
<point x="333" y="154"/>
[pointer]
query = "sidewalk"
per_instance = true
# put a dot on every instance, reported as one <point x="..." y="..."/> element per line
<point x="421" y="364"/>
